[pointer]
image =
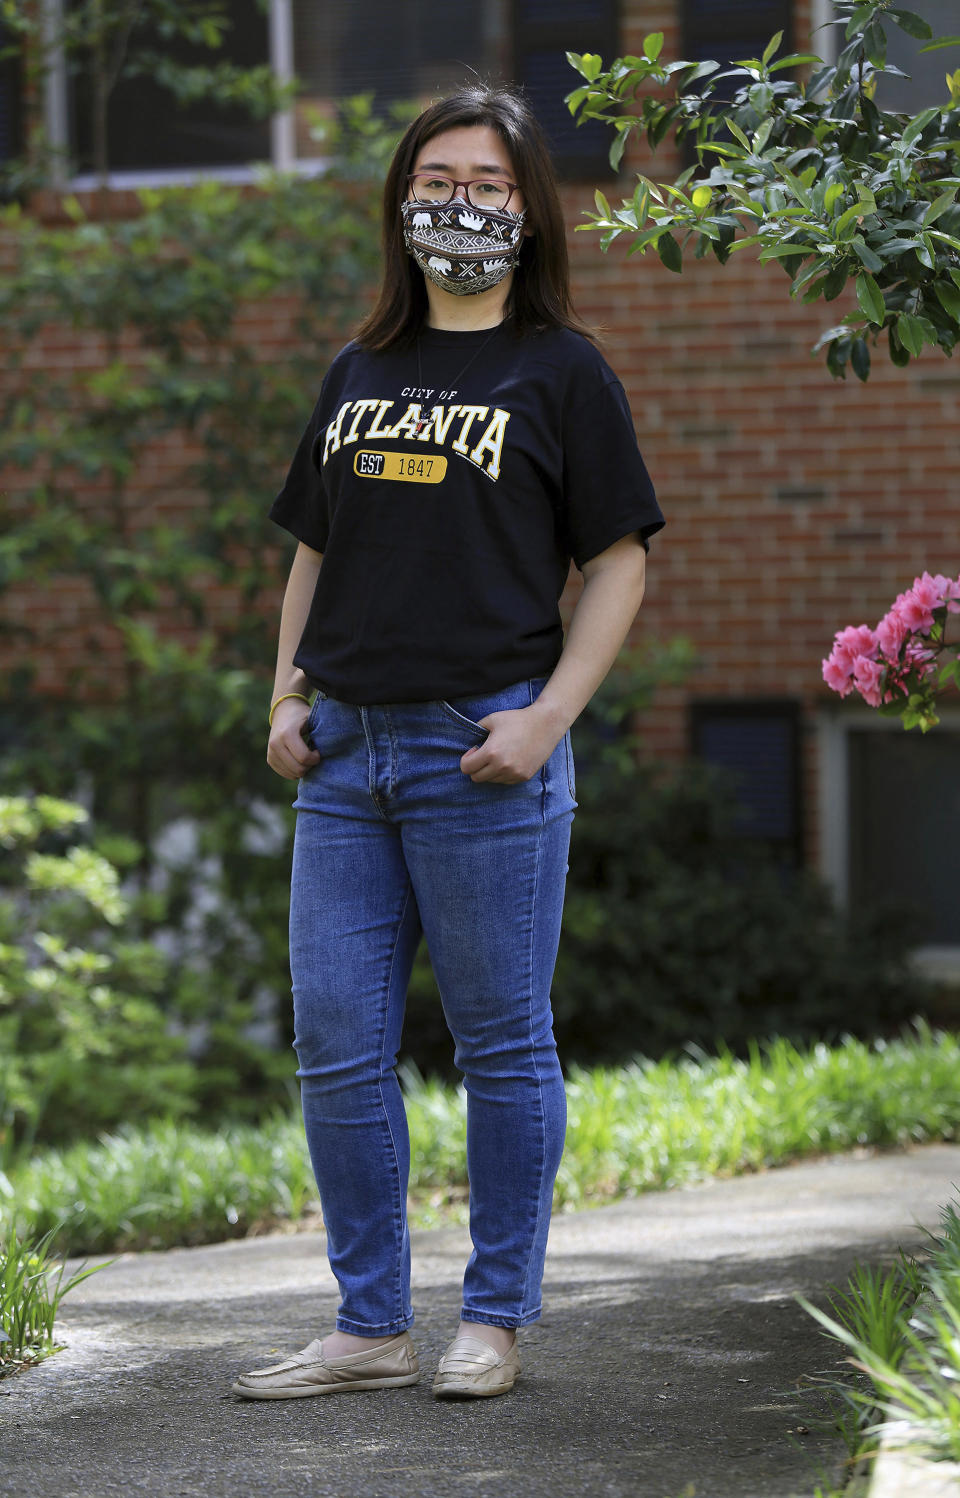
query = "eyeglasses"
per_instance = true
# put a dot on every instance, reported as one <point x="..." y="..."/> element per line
<point x="483" y="193"/>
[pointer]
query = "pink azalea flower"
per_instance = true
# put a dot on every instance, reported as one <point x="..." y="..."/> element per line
<point x="928" y="590"/>
<point x="891" y="633"/>
<point x="854" y="641"/>
<point x="837" y="676"/>
<point x="915" y="612"/>
<point x="951" y="592"/>
<point x="866" y="677"/>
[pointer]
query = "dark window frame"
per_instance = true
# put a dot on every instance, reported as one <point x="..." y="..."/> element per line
<point x="706" y="28"/>
<point x="11" y="102"/>
<point x="711" y="31"/>
<point x="702" y="710"/>
<point x="534" y="31"/>
<point x="137" y="102"/>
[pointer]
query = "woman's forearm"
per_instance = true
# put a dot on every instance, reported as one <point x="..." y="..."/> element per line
<point x="612" y="592"/>
<point x="293" y="617"/>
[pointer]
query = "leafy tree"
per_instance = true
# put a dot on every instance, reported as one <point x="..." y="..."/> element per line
<point x="143" y="478"/>
<point x="823" y="180"/>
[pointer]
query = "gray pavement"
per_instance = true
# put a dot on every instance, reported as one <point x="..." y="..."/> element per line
<point x="670" y="1361"/>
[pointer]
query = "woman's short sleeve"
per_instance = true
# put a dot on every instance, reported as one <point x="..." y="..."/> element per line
<point x="302" y="506"/>
<point x="607" y="492"/>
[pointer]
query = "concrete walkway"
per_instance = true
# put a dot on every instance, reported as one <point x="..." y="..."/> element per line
<point x="669" y="1362"/>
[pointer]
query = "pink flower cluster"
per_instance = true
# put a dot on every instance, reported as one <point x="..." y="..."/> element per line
<point x="878" y="662"/>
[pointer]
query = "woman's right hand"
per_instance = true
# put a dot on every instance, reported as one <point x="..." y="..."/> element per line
<point x="287" y="751"/>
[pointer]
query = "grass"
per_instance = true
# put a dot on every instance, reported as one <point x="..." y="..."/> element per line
<point x="641" y="1127"/>
<point x="901" y="1328"/>
<point x="31" y="1289"/>
<point x="644" y="1126"/>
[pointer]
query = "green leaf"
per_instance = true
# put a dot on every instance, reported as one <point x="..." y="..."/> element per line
<point x="771" y="47"/>
<point x="653" y="45"/>
<point x="942" y="41"/>
<point x="939" y="206"/>
<point x="617" y="148"/>
<point x="574" y="100"/>
<point x="603" y="207"/>
<point x="865" y="254"/>
<point x="795" y="60"/>
<point x="699" y="70"/>
<point x="949" y="239"/>
<point x="868" y="203"/>
<point x="785" y="251"/>
<point x="738" y="134"/>
<point x="914" y="332"/>
<point x="833" y="192"/>
<point x="875" y="44"/>
<point x="911" y="23"/>
<point x="870" y="298"/>
<point x="670" y="253"/>
<point x="799" y="191"/>
<point x="848" y="217"/>
<point x="898" y="354"/>
<point x="949" y="298"/>
<point x="702" y="197"/>
<point x="917" y="126"/>
<point x="860" y="359"/>
<point x="835" y="281"/>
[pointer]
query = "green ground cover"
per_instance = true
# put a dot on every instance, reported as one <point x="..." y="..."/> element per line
<point x="644" y="1126"/>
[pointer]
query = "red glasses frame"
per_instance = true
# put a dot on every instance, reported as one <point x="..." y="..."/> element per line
<point x="442" y="176"/>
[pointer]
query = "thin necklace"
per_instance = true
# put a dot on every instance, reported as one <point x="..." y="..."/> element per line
<point x="425" y="421"/>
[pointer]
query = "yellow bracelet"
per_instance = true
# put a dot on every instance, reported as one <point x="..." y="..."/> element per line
<point x="276" y="704"/>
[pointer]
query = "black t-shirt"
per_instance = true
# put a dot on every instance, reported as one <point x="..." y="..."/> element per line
<point x="448" y="490"/>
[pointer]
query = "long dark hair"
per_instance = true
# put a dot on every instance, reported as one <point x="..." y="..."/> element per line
<point x="540" y="293"/>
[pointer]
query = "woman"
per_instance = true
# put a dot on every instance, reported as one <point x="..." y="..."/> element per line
<point x="463" y="448"/>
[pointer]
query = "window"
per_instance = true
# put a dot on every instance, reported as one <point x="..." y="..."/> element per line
<point x="728" y="33"/>
<point x="543" y="32"/>
<point x="903" y="793"/>
<point x="407" y="49"/>
<point x="147" y="128"/>
<point x="10" y="134"/>
<point x="889" y="810"/>
<point x="396" y="49"/>
<point x="757" y="744"/>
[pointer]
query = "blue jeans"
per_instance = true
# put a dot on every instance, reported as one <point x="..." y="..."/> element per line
<point x="393" y="841"/>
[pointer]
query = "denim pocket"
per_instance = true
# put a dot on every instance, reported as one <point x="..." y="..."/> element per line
<point x="310" y="722"/>
<point x="571" y="767"/>
<point x="463" y="722"/>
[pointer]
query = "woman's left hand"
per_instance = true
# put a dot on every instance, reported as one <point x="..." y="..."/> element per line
<point x="520" y="740"/>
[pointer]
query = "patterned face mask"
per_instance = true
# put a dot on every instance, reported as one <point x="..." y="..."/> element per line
<point x="460" y="248"/>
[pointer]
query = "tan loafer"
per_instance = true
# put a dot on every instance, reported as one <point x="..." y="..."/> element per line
<point x="472" y="1369"/>
<point x="387" y="1366"/>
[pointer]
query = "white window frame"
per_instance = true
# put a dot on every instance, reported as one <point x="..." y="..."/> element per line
<point x="282" y="125"/>
<point x="833" y="729"/>
<point x="822" y="42"/>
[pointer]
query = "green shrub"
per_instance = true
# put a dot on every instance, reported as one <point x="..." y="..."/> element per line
<point x="83" y="1042"/>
